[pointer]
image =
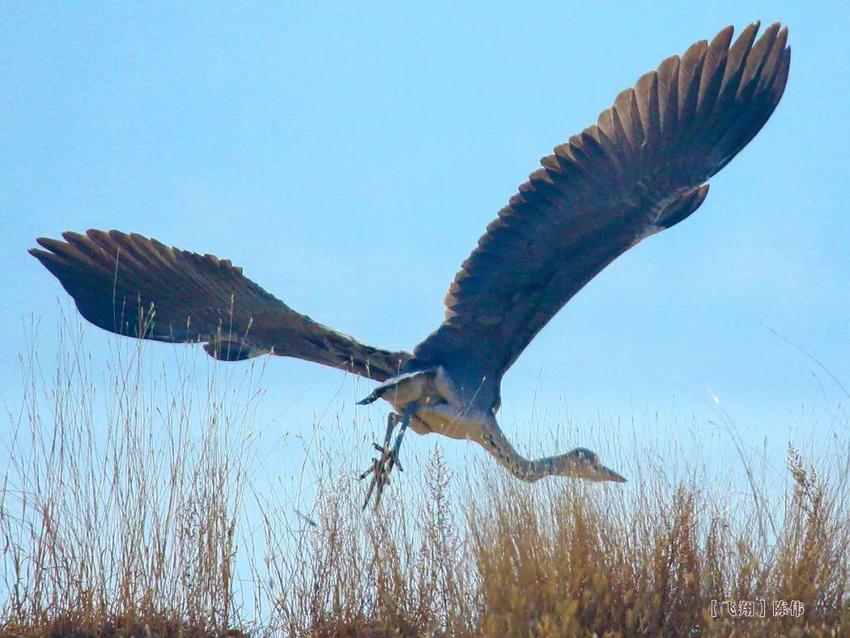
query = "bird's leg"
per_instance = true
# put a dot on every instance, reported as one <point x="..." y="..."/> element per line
<point x="392" y="421"/>
<point x="377" y="468"/>
<point x="408" y="414"/>
<point x="381" y="467"/>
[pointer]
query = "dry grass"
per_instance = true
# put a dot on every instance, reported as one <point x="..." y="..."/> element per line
<point x="135" y="514"/>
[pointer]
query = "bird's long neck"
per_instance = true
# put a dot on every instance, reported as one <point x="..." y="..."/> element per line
<point x="526" y="469"/>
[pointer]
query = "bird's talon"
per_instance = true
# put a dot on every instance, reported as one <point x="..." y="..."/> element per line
<point x="380" y="470"/>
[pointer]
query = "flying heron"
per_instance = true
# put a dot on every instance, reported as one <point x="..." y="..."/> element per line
<point x="640" y="169"/>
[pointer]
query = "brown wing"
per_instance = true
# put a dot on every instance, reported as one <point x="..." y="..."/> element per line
<point x="135" y="286"/>
<point x="639" y="170"/>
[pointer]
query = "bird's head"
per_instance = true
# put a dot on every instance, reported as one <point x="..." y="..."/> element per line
<point x="584" y="464"/>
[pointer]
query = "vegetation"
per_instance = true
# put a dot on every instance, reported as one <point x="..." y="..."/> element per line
<point x="137" y="514"/>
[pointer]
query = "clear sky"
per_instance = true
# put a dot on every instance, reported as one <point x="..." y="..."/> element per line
<point x="348" y="157"/>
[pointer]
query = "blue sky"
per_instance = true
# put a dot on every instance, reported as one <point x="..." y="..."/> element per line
<point x="348" y="157"/>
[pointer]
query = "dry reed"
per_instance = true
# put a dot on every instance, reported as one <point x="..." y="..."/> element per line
<point x="134" y="514"/>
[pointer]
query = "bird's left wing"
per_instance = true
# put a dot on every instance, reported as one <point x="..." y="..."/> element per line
<point x="639" y="170"/>
<point x="139" y="287"/>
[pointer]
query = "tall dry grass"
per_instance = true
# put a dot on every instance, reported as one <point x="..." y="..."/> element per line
<point x="129" y="506"/>
<point x="120" y="499"/>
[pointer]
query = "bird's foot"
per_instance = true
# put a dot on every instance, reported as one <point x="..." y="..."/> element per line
<point x="380" y="471"/>
<point x="381" y="467"/>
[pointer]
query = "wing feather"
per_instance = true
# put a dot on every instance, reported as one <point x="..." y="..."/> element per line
<point x="135" y="286"/>
<point x="641" y="168"/>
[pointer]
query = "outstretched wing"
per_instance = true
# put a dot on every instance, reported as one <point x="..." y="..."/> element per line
<point x="135" y="286"/>
<point x="639" y="170"/>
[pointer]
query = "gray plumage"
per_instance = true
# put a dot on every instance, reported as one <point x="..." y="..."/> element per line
<point x="640" y="169"/>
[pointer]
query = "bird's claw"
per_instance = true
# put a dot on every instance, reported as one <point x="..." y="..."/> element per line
<point x="380" y="471"/>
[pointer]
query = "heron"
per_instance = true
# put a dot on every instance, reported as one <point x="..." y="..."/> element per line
<point x="642" y="168"/>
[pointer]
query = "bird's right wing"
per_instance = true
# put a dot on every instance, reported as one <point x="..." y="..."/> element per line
<point x="135" y="286"/>
<point x="639" y="170"/>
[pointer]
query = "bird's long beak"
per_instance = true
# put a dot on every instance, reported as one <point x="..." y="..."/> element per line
<point x="610" y="475"/>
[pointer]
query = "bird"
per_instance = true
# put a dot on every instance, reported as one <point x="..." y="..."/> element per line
<point x="643" y="167"/>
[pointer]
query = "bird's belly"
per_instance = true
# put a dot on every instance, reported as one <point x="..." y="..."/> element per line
<point x="439" y="407"/>
<point x="446" y="420"/>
